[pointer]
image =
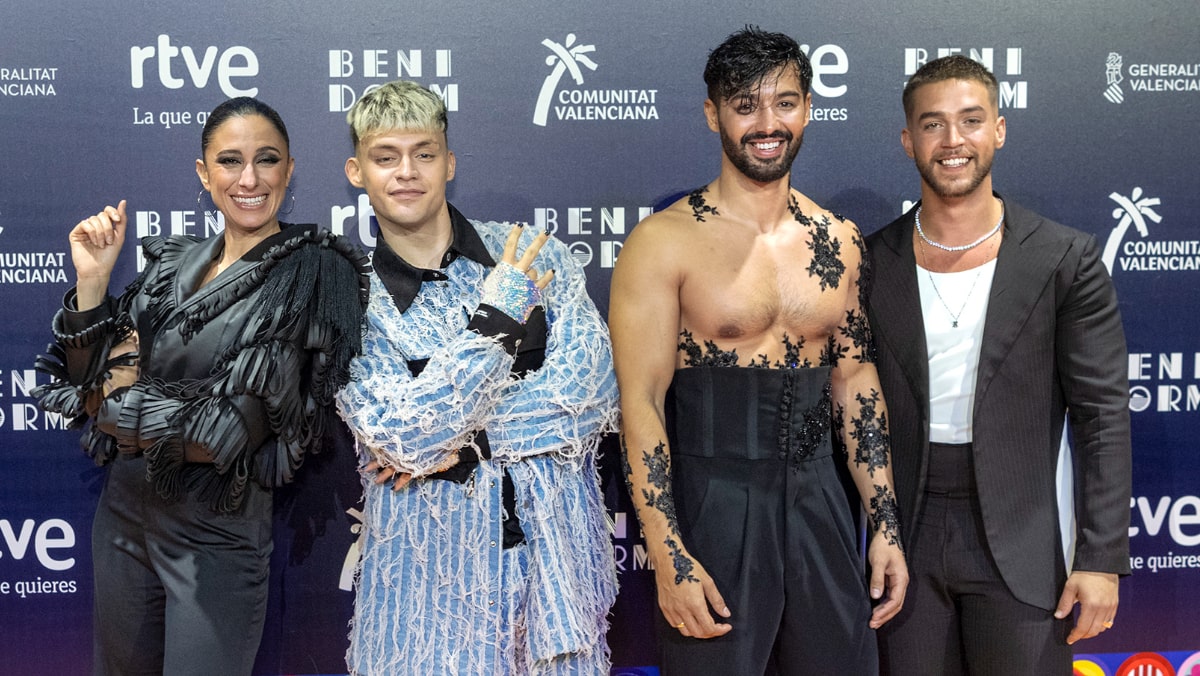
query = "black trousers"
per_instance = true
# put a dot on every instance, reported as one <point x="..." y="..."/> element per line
<point x="761" y="507"/>
<point x="959" y="616"/>
<point x="179" y="589"/>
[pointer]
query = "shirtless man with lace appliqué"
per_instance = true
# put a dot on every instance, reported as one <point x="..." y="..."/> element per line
<point x="742" y="350"/>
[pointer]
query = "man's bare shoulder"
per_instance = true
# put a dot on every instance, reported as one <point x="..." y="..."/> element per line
<point x="839" y="225"/>
<point x="665" y="228"/>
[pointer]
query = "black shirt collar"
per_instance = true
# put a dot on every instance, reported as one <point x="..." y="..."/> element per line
<point x="403" y="281"/>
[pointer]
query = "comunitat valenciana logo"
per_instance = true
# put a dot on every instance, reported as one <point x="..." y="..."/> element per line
<point x="1148" y="78"/>
<point x="31" y="267"/>
<point x="570" y="100"/>
<point x="1125" y="252"/>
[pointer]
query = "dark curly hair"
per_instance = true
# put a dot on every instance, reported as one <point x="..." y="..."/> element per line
<point x="738" y="65"/>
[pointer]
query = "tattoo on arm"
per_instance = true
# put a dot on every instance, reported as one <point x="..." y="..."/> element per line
<point x="858" y="326"/>
<point x="885" y="515"/>
<point x="864" y="273"/>
<point x="683" y="565"/>
<point x="656" y="473"/>
<point x="871" y="432"/>
<point x="658" y="496"/>
<point x="858" y="330"/>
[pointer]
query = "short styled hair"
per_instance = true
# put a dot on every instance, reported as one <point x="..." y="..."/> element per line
<point x="739" y="65"/>
<point x="399" y="104"/>
<point x="953" y="67"/>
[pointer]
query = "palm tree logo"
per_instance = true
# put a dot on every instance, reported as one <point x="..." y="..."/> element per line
<point x="350" y="564"/>
<point x="564" y="58"/>
<point x="1132" y="210"/>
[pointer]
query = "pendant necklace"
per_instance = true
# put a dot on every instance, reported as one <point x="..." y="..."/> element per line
<point x="978" y="273"/>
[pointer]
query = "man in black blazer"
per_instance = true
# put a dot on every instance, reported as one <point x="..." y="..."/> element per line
<point x="991" y="324"/>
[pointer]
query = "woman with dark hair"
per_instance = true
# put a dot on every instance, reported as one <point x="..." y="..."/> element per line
<point x="202" y="386"/>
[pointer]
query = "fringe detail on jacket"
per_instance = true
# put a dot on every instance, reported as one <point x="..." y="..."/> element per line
<point x="266" y="403"/>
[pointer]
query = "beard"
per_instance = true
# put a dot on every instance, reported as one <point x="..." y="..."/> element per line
<point x="762" y="171"/>
<point x="948" y="190"/>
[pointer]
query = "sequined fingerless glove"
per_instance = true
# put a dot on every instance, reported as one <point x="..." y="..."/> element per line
<point x="511" y="291"/>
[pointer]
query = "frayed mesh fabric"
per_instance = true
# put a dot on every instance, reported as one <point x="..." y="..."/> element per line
<point x="436" y="591"/>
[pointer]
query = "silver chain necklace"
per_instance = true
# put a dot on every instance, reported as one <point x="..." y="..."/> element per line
<point x="964" y="247"/>
<point x="953" y="315"/>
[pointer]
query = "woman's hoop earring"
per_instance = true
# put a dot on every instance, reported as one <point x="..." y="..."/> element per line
<point x="200" y="203"/>
<point x="212" y="219"/>
<point x="292" y="207"/>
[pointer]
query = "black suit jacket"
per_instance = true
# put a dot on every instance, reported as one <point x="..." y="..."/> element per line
<point x="1052" y="343"/>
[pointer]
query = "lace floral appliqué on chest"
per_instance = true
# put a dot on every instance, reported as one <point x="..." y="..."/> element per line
<point x="826" y="265"/>
<point x="713" y="355"/>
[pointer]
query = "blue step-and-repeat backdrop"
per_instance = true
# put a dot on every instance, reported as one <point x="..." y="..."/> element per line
<point x="581" y="117"/>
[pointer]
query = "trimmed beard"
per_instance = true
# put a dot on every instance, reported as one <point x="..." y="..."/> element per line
<point x="942" y="190"/>
<point x="755" y="169"/>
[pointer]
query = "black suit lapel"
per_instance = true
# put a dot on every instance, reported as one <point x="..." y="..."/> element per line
<point x="1024" y="267"/>
<point x="896" y="300"/>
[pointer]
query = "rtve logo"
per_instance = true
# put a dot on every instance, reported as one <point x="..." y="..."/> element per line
<point x="228" y="64"/>
<point x="46" y="537"/>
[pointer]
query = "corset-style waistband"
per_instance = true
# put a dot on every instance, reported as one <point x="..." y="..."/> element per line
<point x="749" y="413"/>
